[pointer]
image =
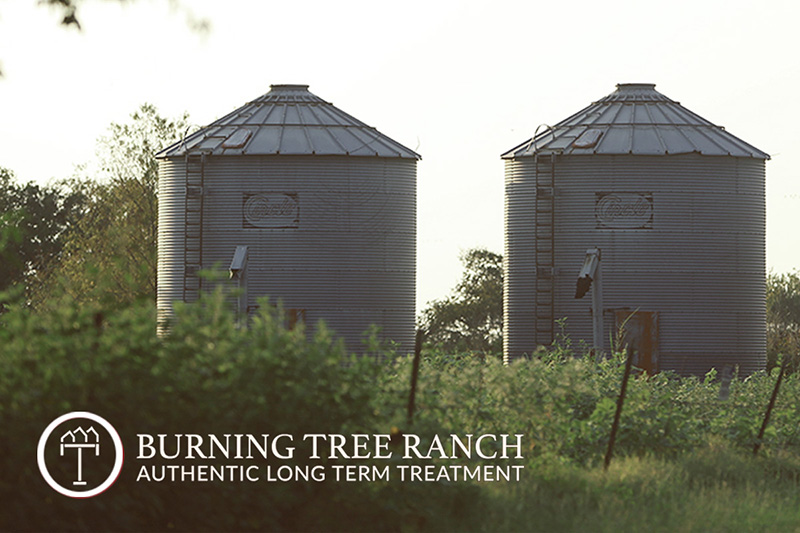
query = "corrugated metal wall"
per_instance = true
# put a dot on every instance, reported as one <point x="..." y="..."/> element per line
<point x="519" y="258"/>
<point x="333" y="237"/>
<point x="171" y="238"/>
<point x="694" y="253"/>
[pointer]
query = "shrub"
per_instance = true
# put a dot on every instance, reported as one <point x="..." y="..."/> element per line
<point x="207" y="376"/>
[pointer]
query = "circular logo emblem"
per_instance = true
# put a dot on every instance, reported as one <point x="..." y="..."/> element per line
<point x="80" y="454"/>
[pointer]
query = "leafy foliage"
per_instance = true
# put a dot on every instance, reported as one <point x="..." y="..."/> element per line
<point x="677" y="443"/>
<point x="207" y="376"/>
<point x="471" y="319"/>
<point x="115" y="237"/>
<point x="565" y="404"/>
<point x="33" y="223"/>
<point x="783" y="319"/>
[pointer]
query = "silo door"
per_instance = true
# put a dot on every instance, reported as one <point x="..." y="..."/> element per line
<point x="639" y="329"/>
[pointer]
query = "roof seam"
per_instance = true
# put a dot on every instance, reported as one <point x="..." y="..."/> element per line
<point x="280" y="135"/>
<point x="305" y="131"/>
<point x="637" y="119"/>
<point x="664" y="146"/>
<point x="273" y="133"/>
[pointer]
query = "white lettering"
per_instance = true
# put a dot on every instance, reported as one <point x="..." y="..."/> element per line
<point x="143" y="445"/>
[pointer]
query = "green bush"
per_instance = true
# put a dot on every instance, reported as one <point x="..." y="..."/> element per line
<point x="207" y="376"/>
<point x="564" y="405"/>
<point x="678" y="444"/>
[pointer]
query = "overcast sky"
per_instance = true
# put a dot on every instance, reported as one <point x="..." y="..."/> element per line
<point x="459" y="82"/>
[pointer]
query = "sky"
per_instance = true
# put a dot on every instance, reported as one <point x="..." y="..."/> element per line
<point x="459" y="82"/>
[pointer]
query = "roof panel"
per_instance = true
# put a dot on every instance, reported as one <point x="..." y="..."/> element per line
<point x="307" y="115"/>
<point x="266" y="140"/>
<point x="331" y="116"/>
<point x="675" y="140"/>
<point x="564" y="140"/>
<point x="641" y="115"/>
<point x="702" y="143"/>
<point x="322" y="142"/>
<point x="646" y="140"/>
<point x="623" y="114"/>
<point x="657" y="115"/>
<point x="258" y="115"/>
<point x="238" y="138"/>
<point x="637" y="119"/>
<point x="294" y="141"/>
<point x="615" y="141"/>
<point x="361" y="144"/>
<point x="289" y="120"/>
<point x="291" y="117"/>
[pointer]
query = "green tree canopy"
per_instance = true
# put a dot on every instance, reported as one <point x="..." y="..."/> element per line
<point x="33" y="222"/>
<point x="113" y="244"/>
<point x="471" y="318"/>
<point x="783" y="318"/>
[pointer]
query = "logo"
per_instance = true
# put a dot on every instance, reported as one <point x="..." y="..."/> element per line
<point x="270" y="210"/>
<point x="80" y="454"/>
<point x="623" y="210"/>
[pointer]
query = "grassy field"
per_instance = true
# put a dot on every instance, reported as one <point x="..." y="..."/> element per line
<point x="711" y="489"/>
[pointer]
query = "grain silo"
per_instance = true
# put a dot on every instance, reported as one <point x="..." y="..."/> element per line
<point x="305" y="204"/>
<point x="676" y="207"/>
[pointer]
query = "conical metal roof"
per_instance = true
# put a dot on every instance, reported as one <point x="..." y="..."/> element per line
<point x="635" y="119"/>
<point x="289" y="120"/>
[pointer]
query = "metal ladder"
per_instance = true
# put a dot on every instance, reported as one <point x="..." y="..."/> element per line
<point x="193" y="226"/>
<point x="545" y="251"/>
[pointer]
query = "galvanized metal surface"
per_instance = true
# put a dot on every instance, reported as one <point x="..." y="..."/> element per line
<point x="635" y="119"/>
<point x="331" y="237"/>
<point x="325" y="204"/>
<point x="289" y="120"/>
<point x="684" y="239"/>
<point x="171" y="239"/>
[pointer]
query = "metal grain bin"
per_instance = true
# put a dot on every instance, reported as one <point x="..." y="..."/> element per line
<point x="324" y="204"/>
<point x="677" y="207"/>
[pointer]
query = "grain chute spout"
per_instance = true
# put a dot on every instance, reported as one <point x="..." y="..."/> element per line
<point x="590" y="272"/>
<point x="238" y="271"/>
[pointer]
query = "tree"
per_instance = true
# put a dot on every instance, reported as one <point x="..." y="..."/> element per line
<point x="471" y="318"/>
<point x="783" y="318"/>
<point x="113" y="246"/>
<point x="33" y="223"/>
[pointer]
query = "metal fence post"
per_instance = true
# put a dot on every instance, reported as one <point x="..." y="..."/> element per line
<point x="620" y="400"/>
<point x="771" y="404"/>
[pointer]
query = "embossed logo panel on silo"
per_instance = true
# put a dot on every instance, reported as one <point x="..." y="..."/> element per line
<point x="623" y="210"/>
<point x="270" y="210"/>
